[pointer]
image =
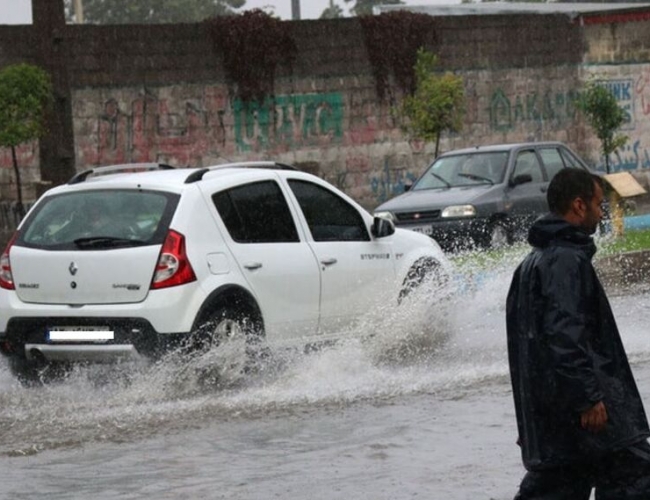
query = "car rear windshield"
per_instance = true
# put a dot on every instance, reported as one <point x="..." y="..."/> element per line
<point x="95" y="219"/>
<point x="464" y="170"/>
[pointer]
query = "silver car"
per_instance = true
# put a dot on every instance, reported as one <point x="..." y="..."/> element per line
<point x="483" y="196"/>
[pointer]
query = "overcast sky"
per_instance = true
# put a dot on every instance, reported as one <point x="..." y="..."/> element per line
<point x="20" y="11"/>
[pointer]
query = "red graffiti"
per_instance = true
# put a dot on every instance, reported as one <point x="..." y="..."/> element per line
<point x="643" y="89"/>
<point x="26" y="156"/>
<point x="357" y="164"/>
<point x="150" y="129"/>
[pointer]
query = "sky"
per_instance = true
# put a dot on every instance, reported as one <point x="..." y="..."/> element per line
<point x="20" y="11"/>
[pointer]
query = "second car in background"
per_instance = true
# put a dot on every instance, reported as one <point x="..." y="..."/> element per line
<point x="482" y="196"/>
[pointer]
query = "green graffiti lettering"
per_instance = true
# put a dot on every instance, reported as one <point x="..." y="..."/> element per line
<point x="286" y="119"/>
<point x="519" y="110"/>
<point x="548" y="111"/>
<point x="500" y="115"/>
<point x="532" y="113"/>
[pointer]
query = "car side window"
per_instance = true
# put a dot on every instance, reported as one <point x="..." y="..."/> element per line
<point x="527" y="163"/>
<point x="256" y="213"/>
<point x="330" y="217"/>
<point x="552" y="161"/>
<point x="570" y="160"/>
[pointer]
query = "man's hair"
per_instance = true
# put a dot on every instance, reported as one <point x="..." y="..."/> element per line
<point x="569" y="184"/>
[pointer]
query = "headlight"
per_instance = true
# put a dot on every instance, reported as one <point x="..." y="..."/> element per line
<point x="459" y="211"/>
<point x="385" y="215"/>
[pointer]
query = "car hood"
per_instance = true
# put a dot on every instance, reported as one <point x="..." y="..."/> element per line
<point x="435" y="198"/>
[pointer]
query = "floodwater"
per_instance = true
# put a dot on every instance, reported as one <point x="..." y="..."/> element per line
<point x="421" y="408"/>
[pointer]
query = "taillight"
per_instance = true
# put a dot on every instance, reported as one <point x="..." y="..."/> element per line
<point x="6" y="278"/>
<point x="173" y="266"/>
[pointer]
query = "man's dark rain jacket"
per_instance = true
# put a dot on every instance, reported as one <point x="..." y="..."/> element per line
<point x="566" y="353"/>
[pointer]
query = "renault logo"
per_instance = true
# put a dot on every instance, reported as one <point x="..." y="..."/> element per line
<point x="73" y="268"/>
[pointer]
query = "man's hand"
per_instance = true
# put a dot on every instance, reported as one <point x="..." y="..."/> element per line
<point x="595" y="418"/>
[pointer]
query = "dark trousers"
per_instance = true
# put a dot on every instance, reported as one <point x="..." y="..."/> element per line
<point x="621" y="475"/>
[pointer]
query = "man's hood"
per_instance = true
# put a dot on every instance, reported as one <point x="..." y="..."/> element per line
<point x="553" y="229"/>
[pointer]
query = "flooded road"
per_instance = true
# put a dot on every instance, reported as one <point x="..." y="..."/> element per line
<point x="420" y="409"/>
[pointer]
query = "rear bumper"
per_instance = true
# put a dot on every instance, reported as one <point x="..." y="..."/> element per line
<point x="170" y="310"/>
<point x="132" y="337"/>
<point x="80" y="353"/>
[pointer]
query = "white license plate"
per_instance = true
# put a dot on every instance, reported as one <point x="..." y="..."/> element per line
<point x="428" y="230"/>
<point x="79" y="334"/>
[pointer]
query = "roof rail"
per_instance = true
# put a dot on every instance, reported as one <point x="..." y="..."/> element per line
<point x="198" y="175"/>
<point x="111" y="169"/>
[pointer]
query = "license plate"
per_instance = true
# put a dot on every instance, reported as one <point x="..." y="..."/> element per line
<point x="428" y="230"/>
<point x="79" y="334"/>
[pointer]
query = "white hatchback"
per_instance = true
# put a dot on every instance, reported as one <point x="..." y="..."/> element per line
<point x="130" y="260"/>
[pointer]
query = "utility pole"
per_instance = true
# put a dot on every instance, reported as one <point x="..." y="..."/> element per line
<point x="78" y="11"/>
<point x="295" y="10"/>
<point x="56" y="158"/>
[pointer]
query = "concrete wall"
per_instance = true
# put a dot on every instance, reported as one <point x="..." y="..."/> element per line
<point x="325" y="115"/>
<point x="159" y="93"/>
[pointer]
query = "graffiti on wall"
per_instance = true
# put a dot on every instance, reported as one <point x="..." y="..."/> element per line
<point x="390" y="182"/>
<point x="288" y="121"/>
<point x="633" y="96"/>
<point x="630" y="157"/>
<point x="26" y="155"/>
<point x="149" y="129"/>
<point x="642" y="89"/>
<point x="185" y="131"/>
<point x="507" y="112"/>
<point x="623" y="91"/>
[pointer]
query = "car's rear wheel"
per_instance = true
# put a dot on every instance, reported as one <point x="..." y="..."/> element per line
<point x="36" y="372"/>
<point x="227" y="343"/>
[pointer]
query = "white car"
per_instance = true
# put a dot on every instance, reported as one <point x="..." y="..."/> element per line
<point x="130" y="260"/>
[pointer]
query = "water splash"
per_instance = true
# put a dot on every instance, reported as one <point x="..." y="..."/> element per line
<point x="442" y="342"/>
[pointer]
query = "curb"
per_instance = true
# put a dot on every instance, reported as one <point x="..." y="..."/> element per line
<point x="636" y="222"/>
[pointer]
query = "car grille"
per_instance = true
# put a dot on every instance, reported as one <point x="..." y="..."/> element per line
<point x="425" y="216"/>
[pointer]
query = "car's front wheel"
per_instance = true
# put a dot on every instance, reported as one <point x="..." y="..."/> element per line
<point x="499" y="237"/>
<point x="426" y="270"/>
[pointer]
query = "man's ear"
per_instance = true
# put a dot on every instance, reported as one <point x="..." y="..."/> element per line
<point x="579" y="207"/>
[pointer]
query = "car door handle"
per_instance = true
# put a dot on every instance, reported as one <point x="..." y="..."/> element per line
<point x="329" y="261"/>
<point x="251" y="266"/>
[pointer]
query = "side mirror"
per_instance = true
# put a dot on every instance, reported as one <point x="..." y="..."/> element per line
<point x="520" y="179"/>
<point x="407" y="187"/>
<point x="382" y="227"/>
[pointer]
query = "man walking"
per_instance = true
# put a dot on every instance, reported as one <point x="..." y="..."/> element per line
<point x="580" y="418"/>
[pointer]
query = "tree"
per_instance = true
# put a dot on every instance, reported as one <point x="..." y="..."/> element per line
<point x="438" y="103"/>
<point x="152" y="11"/>
<point x="25" y="97"/>
<point x="334" y="11"/>
<point x="364" y="7"/>
<point x="605" y="116"/>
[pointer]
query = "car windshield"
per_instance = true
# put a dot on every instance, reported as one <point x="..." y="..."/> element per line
<point x="99" y="219"/>
<point x="464" y="170"/>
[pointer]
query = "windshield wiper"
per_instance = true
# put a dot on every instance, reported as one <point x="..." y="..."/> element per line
<point x="475" y="177"/>
<point x="440" y="178"/>
<point x="107" y="242"/>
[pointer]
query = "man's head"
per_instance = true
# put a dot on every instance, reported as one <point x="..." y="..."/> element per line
<point x="576" y="196"/>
